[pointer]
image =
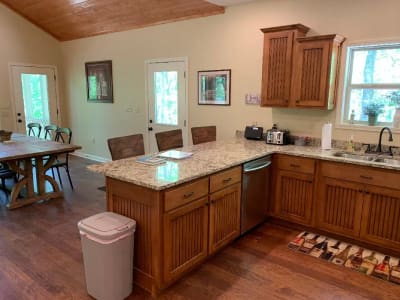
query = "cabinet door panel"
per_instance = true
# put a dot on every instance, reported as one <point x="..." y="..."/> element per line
<point x="381" y="217"/>
<point x="310" y="84"/>
<point x="185" y="237"/>
<point x="277" y="66"/>
<point x="224" y="217"/>
<point x="293" y="197"/>
<point x="339" y="206"/>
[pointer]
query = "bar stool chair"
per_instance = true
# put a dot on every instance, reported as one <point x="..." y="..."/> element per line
<point x="126" y="146"/>
<point x="169" y="139"/>
<point x="204" y="134"/>
<point x="34" y="129"/>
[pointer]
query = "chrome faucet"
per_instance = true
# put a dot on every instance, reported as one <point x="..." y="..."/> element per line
<point x="379" y="147"/>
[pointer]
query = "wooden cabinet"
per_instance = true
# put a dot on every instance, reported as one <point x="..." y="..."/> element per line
<point x="381" y="217"/>
<point x="339" y="206"/>
<point x="359" y="202"/>
<point x="195" y="228"/>
<point x="294" y="188"/>
<point x="315" y="71"/>
<point x="277" y="63"/>
<point x="224" y="217"/>
<point x="185" y="238"/>
<point x="299" y="71"/>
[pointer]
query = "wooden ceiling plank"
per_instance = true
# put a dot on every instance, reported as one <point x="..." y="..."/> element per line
<point x="73" y="19"/>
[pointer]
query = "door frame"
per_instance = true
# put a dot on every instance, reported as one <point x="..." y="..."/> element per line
<point x="146" y="85"/>
<point x="12" y="96"/>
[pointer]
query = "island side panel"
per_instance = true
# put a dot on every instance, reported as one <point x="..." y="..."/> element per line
<point x="144" y="206"/>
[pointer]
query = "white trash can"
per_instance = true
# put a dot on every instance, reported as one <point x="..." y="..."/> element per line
<point x="107" y="246"/>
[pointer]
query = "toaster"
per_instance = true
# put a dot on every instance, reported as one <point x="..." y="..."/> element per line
<point x="253" y="133"/>
<point x="277" y="136"/>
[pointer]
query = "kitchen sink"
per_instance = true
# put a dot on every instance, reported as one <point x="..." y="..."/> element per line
<point x="368" y="157"/>
<point x="355" y="156"/>
<point x="389" y="161"/>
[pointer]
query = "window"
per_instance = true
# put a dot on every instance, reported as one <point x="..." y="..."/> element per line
<point x="372" y="84"/>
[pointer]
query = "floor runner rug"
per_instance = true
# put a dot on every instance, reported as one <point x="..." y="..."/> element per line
<point x="363" y="260"/>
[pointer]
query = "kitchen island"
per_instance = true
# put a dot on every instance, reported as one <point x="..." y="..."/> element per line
<point x="187" y="210"/>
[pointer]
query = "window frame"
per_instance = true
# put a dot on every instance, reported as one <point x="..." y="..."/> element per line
<point x="348" y="86"/>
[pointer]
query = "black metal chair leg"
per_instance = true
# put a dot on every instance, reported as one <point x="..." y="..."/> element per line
<point x="69" y="176"/>
<point x="59" y="176"/>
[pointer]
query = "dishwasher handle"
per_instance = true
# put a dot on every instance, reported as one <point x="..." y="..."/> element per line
<point x="262" y="166"/>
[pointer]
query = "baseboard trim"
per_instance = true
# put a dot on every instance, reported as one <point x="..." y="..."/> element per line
<point x="90" y="156"/>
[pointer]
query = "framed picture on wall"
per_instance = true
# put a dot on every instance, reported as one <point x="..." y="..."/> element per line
<point x="214" y="87"/>
<point x="99" y="81"/>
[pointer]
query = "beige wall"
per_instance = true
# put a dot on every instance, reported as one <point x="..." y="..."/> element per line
<point x="231" y="40"/>
<point x="21" y="42"/>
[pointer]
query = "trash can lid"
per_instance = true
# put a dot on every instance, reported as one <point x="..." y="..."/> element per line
<point x="107" y="226"/>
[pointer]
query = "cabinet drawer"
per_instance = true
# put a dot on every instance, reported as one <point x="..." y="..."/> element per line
<point x="185" y="193"/>
<point x="225" y="178"/>
<point x="360" y="174"/>
<point x="296" y="164"/>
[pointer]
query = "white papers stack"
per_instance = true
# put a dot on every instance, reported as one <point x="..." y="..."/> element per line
<point x="175" y="154"/>
<point x="150" y="160"/>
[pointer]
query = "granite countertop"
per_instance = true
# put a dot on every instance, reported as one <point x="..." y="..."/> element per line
<point x="209" y="158"/>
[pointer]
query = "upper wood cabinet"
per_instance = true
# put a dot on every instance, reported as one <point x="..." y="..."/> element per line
<point x="299" y="71"/>
<point x="277" y="63"/>
<point x="315" y="71"/>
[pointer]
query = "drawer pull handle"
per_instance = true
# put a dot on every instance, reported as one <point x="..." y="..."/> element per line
<point x="294" y="166"/>
<point x="188" y="195"/>
<point x="226" y="180"/>
<point x="366" y="177"/>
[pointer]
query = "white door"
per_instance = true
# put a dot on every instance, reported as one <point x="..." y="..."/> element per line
<point x="166" y="94"/>
<point x="35" y="96"/>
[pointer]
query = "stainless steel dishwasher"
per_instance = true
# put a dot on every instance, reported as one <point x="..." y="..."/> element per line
<point x="255" y="193"/>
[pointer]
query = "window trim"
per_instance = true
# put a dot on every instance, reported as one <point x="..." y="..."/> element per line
<point x="342" y="119"/>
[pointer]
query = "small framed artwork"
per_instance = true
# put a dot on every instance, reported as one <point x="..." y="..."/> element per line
<point x="99" y="81"/>
<point x="214" y="87"/>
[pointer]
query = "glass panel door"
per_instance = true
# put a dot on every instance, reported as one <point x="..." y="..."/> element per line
<point x="166" y="97"/>
<point x="166" y="90"/>
<point x="34" y="96"/>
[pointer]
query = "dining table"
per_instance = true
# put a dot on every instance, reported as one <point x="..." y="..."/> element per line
<point x="31" y="158"/>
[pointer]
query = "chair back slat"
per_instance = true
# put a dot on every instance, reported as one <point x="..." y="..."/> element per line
<point x="50" y="132"/>
<point x="204" y="134"/>
<point x="63" y="135"/>
<point x="169" y="139"/>
<point x="34" y="129"/>
<point x="126" y="146"/>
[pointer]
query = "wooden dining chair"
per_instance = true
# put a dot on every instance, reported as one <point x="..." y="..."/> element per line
<point x="50" y="132"/>
<point x="169" y="139"/>
<point x="126" y="146"/>
<point x="34" y="129"/>
<point x="204" y="134"/>
<point x="63" y="135"/>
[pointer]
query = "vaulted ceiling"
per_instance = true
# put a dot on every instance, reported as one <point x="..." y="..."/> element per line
<point x="74" y="19"/>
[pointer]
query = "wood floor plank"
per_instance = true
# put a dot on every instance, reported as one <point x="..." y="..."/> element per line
<point x="41" y="258"/>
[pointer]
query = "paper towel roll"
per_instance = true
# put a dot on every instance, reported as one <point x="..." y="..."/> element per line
<point x="326" y="137"/>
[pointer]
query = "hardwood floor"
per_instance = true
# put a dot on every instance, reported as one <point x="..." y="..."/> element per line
<point x="41" y="258"/>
